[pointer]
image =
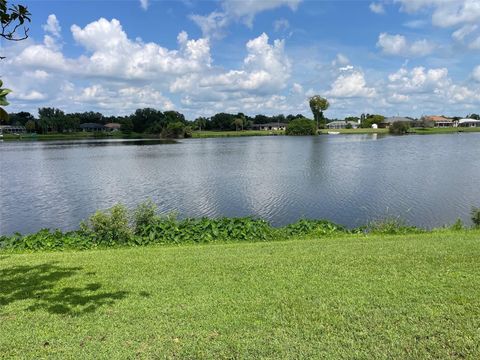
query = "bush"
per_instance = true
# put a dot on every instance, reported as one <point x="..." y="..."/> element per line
<point x="307" y="227"/>
<point x="390" y="226"/>
<point x="475" y="213"/>
<point x="399" y="128"/>
<point x="174" y="130"/>
<point x="301" y="127"/>
<point x="143" y="216"/>
<point x="109" y="227"/>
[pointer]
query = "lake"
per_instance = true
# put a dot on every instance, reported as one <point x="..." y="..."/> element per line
<point x="427" y="180"/>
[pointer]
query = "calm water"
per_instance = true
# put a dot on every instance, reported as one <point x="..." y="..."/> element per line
<point x="350" y="179"/>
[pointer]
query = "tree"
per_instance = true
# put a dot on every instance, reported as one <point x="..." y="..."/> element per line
<point x="30" y="125"/>
<point x="399" y="128"/>
<point x="12" y="18"/>
<point x="200" y="123"/>
<point x="3" y="102"/>
<point x="474" y="116"/>
<point x="372" y="119"/>
<point x="318" y="105"/>
<point x="301" y="127"/>
<point x="51" y="119"/>
<point x="238" y="123"/>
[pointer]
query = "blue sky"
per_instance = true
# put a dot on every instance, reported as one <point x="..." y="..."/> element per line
<point x="407" y="57"/>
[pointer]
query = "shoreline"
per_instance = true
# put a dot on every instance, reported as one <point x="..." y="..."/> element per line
<point x="217" y="134"/>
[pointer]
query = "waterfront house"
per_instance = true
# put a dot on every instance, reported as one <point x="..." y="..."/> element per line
<point x="342" y="124"/>
<point x="113" y="126"/>
<point x="92" y="127"/>
<point x="438" y="121"/>
<point x="387" y="122"/>
<point x="270" y="126"/>
<point x="468" y="123"/>
<point x="12" y="129"/>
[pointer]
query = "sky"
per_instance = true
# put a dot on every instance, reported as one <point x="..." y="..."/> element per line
<point x="392" y="57"/>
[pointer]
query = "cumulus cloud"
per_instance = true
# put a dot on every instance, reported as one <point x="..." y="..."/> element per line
<point x="52" y="26"/>
<point x="462" y="14"/>
<point x="419" y="80"/>
<point x="349" y="84"/>
<point x="265" y="70"/>
<point x="399" y="46"/>
<point x="214" y="24"/>
<point x="377" y="8"/>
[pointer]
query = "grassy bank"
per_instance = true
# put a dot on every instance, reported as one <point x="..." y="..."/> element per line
<point x="405" y="296"/>
<point x="77" y="136"/>
<point x="210" y="134"/>
<point x="426" y="131"/>
<point x="356" y="131"/>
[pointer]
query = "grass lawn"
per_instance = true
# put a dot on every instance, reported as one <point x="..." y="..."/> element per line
<point x="356" y="131"/>
<point x="447" y="130"/>
<point x="209" y="134"/>
<point x="414" y="296"/>
<point x="77" y="136"/>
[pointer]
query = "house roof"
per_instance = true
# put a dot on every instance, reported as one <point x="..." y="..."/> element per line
<point x="342" y="122"/>
<point x="463" y="121"/>
<point x="269" y="124"/>
<point x="113" y="125"/>
<point x="437" y="118"/>
<point x="393" y="119"/>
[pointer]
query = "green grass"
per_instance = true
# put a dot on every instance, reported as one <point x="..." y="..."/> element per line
<point x="357" y="131"/>
<point x="209" y="134"/>
<point x="448" y="130"/>
<point x="355" y="297"/>
<point x="77" y="136"/>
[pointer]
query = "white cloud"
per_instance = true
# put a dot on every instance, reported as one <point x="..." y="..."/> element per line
<point x="281" y="25"/>
<point x="340" y="60"/>
<point x="349" y="84"/>
<point x="476" y="73"/>
<point x="463" y="14"/>
<point x="265" y="69"/>
<point x="419" y="80"/>
<point x="464" y="31"/>
<point x="144" y="4"/>
<point x="52" y="26"/>
<point x="398" y="45"/>
<point x="377" y="8"/>
<point x="475" y="44"/>
<point x="214" y="24"/>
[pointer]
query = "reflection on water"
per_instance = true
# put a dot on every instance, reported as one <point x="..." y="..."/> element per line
<point x="350" y="179"/>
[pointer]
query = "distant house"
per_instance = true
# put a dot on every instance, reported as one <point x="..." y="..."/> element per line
<point x="438" y="121"/>
<point x="395" y="119"/>
<point x="468" y="123"/>
<point x="91" y="127"/>
<point x="113" y="126"/>
<point x="342" y="124"/>
<point x="12" y="129"/>
<point x="270" y="126"/>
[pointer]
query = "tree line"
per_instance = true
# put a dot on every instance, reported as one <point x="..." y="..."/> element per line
<point x="147" y="120"/>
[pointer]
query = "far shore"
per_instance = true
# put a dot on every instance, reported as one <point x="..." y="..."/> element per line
<point x="217" y="133"/>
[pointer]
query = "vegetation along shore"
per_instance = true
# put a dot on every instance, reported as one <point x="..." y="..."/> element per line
<point x="54" y="124"/>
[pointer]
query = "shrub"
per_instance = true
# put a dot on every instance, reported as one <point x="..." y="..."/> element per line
<point x="457" y="226"/>
<point x="306" y="227"/>
<point x="108" y="227"/>
<point x="174" y="130"/>
<point x="475" y="213"/>
<point x="390" y="226"/>
<point x="399" y="128"/>
<point x="301" y="127"/>
<point x="144" y="215"/>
